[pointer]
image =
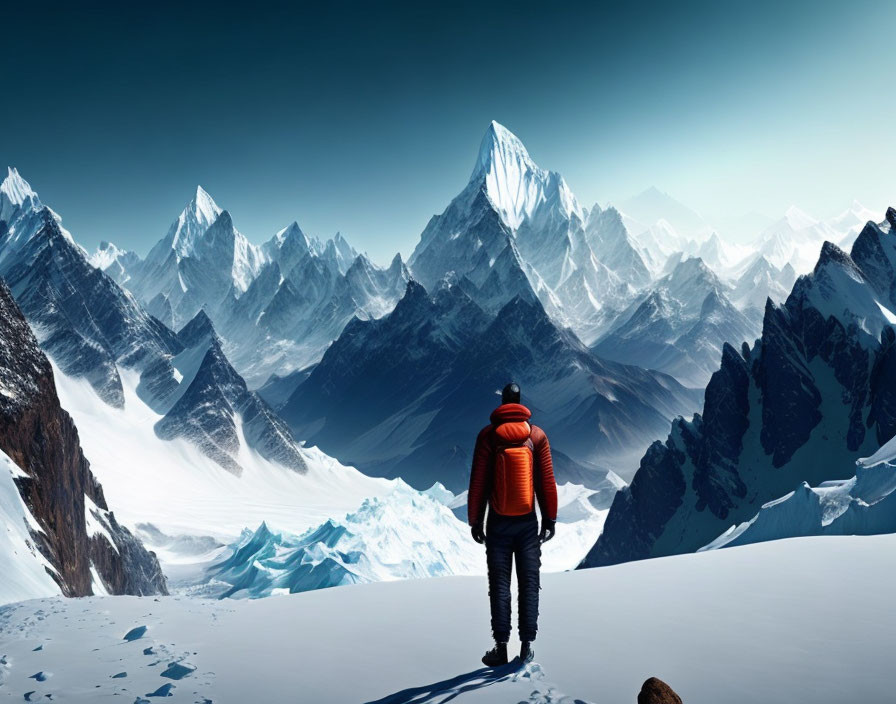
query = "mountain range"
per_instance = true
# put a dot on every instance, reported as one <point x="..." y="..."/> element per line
<point x="249" y="375"/>
<point x="289" y="297"/>
<point x="802" y="404"/>
<point x="403" y="395"/>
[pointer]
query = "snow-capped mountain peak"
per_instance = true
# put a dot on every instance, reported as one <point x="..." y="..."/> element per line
<point x="199" y="215"/>
<point x="105" y="254"/>
<point x="15" y="188"/>
<point x="204" y="206"/>
<point x="500" y="145"/>
<point x="799" y="219"/>
<point x="515" y="184"/>
<point x="292" y="231"/>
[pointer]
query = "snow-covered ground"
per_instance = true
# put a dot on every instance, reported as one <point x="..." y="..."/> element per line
<point x="181" y="492"/>
<point x="803" y="620"/>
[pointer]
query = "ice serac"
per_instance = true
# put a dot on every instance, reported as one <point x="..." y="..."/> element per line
<point x="75" y="531"/>
<point x="421" y="382"/>
<point x="212" y="407"/>
<point x="370" y="544"/>
<point x="812" y="395"/>
<point x="861" y="505"/>
<point x="510" y="201"/>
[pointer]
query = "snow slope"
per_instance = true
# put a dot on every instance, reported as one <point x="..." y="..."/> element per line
<point x="786" y="622"/>
<point x="171" y="485"/>
<point x="24" y="569"/>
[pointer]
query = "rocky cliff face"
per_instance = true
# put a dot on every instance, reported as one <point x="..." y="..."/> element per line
<point x="80" y="534"/>
<point x="812" y="395"/>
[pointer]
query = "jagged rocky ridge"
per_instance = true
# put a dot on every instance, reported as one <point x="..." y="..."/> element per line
<point x="212" y="406"/>
<point x="79" y="534"/>
<point x="83" y="319"/>
<point x="815" y="392"/>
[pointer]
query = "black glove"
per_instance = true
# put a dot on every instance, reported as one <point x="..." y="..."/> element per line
<point x="478" y="533"/>
<point x="547" y="530"/>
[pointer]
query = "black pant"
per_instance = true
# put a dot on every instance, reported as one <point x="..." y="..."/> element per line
<point x="507" y="537"/>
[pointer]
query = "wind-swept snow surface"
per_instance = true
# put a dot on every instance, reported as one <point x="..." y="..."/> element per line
<point x="780" y="623"/>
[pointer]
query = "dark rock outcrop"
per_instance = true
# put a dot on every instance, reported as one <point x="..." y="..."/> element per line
<point x="655" y="691"/>
<point x="60" y="491"/>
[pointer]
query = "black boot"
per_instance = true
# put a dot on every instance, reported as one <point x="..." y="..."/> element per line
<point x="496" y="657"/>
<point x="526" y="652"/>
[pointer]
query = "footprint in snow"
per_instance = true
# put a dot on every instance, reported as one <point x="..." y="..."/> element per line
<point x="135" y="633"/>
<point x="176" y="671"/>
<point x="163" y="691"/>
<point x="40" y="676"/>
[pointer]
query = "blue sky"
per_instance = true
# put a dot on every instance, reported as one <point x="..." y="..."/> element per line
<point x="366" y="118"/>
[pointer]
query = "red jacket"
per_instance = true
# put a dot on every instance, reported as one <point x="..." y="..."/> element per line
<point x="483" y="455"/>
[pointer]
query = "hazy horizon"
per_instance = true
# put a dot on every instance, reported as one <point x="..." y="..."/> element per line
<point x="367" y="119"/>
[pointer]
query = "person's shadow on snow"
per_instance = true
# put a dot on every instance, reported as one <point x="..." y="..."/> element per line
<point x="446" y="690"/>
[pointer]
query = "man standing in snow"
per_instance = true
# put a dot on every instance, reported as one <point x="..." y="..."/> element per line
<point x="512" y="468"/>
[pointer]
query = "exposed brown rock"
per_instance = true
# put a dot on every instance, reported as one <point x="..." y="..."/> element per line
<point x="41" y="438"/>
<point x="655" y="691"/>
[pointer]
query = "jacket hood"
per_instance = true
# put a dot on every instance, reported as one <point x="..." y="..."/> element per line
<point x="510" y="413"/>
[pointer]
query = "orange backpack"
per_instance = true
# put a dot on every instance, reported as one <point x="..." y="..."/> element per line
<point x="513" y="488"/>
